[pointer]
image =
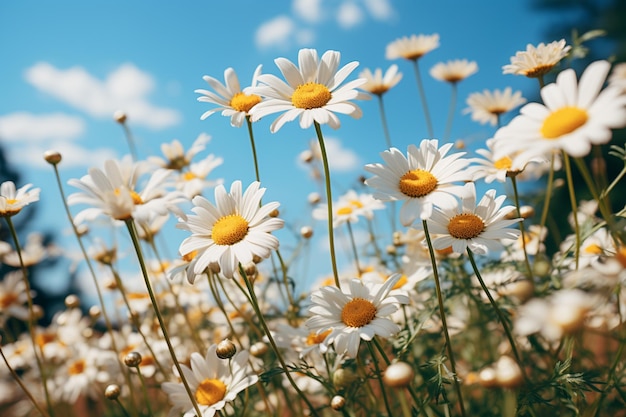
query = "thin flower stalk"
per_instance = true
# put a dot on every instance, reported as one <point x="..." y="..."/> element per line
<point x="355" y="251"/>
<point x="422" y="93"/>
<point x="529" y="271"/>
<point x="37" y="349"/>
<point x="442" y="314"/>
<point x="130" y="225"/>
<point x="572" y="196"/>
<point x="453" y="98"/>
<point x="379" y="377"/>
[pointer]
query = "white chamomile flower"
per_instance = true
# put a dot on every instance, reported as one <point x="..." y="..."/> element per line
<point x="412" y="47"/>
<point x="357" y="312"/>
<point x="487" y="106"/>
<point x="231" y="99"/>
<point x="313" y="91"/>
<point x="12" y="201"/>
<point x="213" y="381"/>
<point x="232" y="231"/>
<point x="426" y="177"/>
<point x="479" y="227"/>
<point x="574" y="115"/>
<point x="349" y="208"/>
<point x="377" y="83"/>
<point x="175" y="155"/>
<point x="537" y="61"/>
<point x="453" y="71"/>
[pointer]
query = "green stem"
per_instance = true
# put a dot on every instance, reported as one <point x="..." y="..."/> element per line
<point x="130" y="224"/>
<point x="453" y="98"/>
<point x="422" y="93"/>
<point x="379" y="377"/>
<point x="499" y="313"/>
<point x="131" y="142"/>
<point x="529" y="271"/>
<point x="145" y="391"/>
<point x="329" y="200"/>
<point x="37" y="349"/>
<point x="270" y="338"/>
<point x="548" y="196"/>
<point x="572" y="198"/>
<point x="253" y="147"/>
<point x="442" y="313"/>
<point x="355" y="252"/>
<point x="383" y="117"/>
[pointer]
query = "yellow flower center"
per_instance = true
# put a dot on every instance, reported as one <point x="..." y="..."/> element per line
<point x="210" y="391"/>
<point x="317" y="338"/>
<point x="229" y="230"/>
<point x="594" y="249"/>
<point x="189" y="256"/>
<point x="77" y="367"/>
<point x="310" y="96"/>
<point x="11" y="201"/>
<point x="6" y="300"/>
<point x="244" y="102"/>
<point x="503" y="163"/>
<point x="43" y="339"/>
<point x="417" y="183"/>
<point x="188" y="176"/>
<point x="136" y="197"/>
<point x="538" y="71"/>
<point x="496" y="110"/>
<point x="379" y="90"/>
<point x="621" y="255"/>
<point x="465" y="226"/>
<point x="401" y="282"/>
<point x="563" y="121"/>
<point x="344" y="211"/>
<point x="358" y="312"/>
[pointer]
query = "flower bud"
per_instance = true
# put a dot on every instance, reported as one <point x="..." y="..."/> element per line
<point x="52" y="157"/>
<point x="225" y="349"/>
<point x="112" y="392"/>
<point x="120" y="117"/>
<point x="258" y="349"/>
<point x="72" y="301"/>
<point x="133" y="359"/>
<point x="274" y="213"/>
<point x="398" y="375"/>
<point x="343" y="377"/>
<point x="94" y="312"/>
<point x="306" y="232"/>
<point x="314" y="198"/>
<point x="337" y="402"/>
<point x="508" y="372"/>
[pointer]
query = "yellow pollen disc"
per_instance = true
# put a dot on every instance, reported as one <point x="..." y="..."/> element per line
<point x="229" y="230"/>
<point x="136" y="198"/>
<point x="189" y="257"/>
<point x="563" y="121"/>
<point x="465" y="226"/>
<point x="358" y="312"/>
<point x="412" y="56"/>
<point x="344" y="211"/>
<point x="356" y="203"/>
<point x="210" y="391"/>
<point x="621" y="256"/>
<point x="379" y="90"/>
<point x="43" y="339"/>
<point x="77" y="367"/>
<point x="6" y="300"/>
<point x="594" y="249"/>
<point x="417" y="183"/>
<point x="496" y="110"/>
<point x="244" y="102"/>
<point x="401" y="282"/>
<point x="11" y="201"/>
<point x="538" y="70"/>
<point x="445" y="251"/>
<point x="188" y="176"/>
<point x="503" y="163"/>
<point x="316" y="339"/>
<point x="311" y="96"/>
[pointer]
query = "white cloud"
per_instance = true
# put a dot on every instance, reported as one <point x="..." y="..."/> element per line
<point x="282" y="32"/>
<point x="308" y="10"/>
<point x="124" y="89"/>
<point x="74" y="155"/>
<point x="380" y="9"/>
<point x="23" y="126"/>
<point x="340" y="159"/>
<point x="349" y="15"/>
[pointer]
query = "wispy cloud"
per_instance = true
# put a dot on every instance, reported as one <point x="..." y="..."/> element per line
<point x="299" y="28"/>
<point x="127" y="89"/>
<point x="24" y="126"/>
<point x="340" y="159"/>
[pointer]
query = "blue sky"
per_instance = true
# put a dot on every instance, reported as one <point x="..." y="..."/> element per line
<point x="68" y="65"/>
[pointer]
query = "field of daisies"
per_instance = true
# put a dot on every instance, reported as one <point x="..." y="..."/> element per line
<point x="455" y="305"/>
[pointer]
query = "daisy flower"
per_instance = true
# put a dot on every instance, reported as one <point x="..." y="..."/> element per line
<point x="12" y="201"/>
<point x="486" y="107"/>
<point x="572" y="118"/>
<point x="231" y="99"/>
<point x="453" y="71"/>
<point x="477" y="227"/>
<point x="422" y="179"/>
<point x="537" y="61"/>
<point x="492" y="169"/>
<point x="313" y="91"/>
<point x="193" y="181"/>
<point x="214" y="382"/>
<point x="357" y="312"/>
<point x="115" y="192"/>
<point x="618" y="76"/>
<point x="378" y="84"/>
<point x="175" y="155"/>
<point x="349" y="207"/>
<point x="13" y="297"/>
<point x="413" y="47"/>
<point x="232" y="231"/>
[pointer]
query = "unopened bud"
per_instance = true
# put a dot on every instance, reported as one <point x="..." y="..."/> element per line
<point x="112" y="392"/>
<point x="343" y="377"/>
<point x="337" y="402"/>
<point x="306" y="156"/>
<point x="52" y="157"/>
<point x="314" y="198"/>
<point x="508" y="372"/>
<point x="120" y="117"/>
<point x="258" y="349"/>
<point x="306" y="232"/>
<point x="133" y="359"/>
<point x="398" y="375"/>
<point x="72" y="301"/>
<point x="225" y="349"/>
<point x="274" y="213"/>
<point x="94" y="312"/>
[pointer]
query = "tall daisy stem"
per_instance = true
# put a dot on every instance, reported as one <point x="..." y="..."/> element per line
<point x="442" y="313"/>
<point x="529" y="271"/>
<point x="499" y="313"/>
<point x="253" y="147"/>
<point x="329" y="200"/>
<point x="548" y="195"/>
<point x="270" y="338"/>
<point x="354" y="249"/>
<point x="420" y="87"/>
<point x="453" y="98"/>
<point x="131" y="141"/>
<point x="37" y="349"/>
<point x="383" y="118"/>
<point x="572" y="198"/>
<point x="132" y="231"/>
<point x="379" y="378"/>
